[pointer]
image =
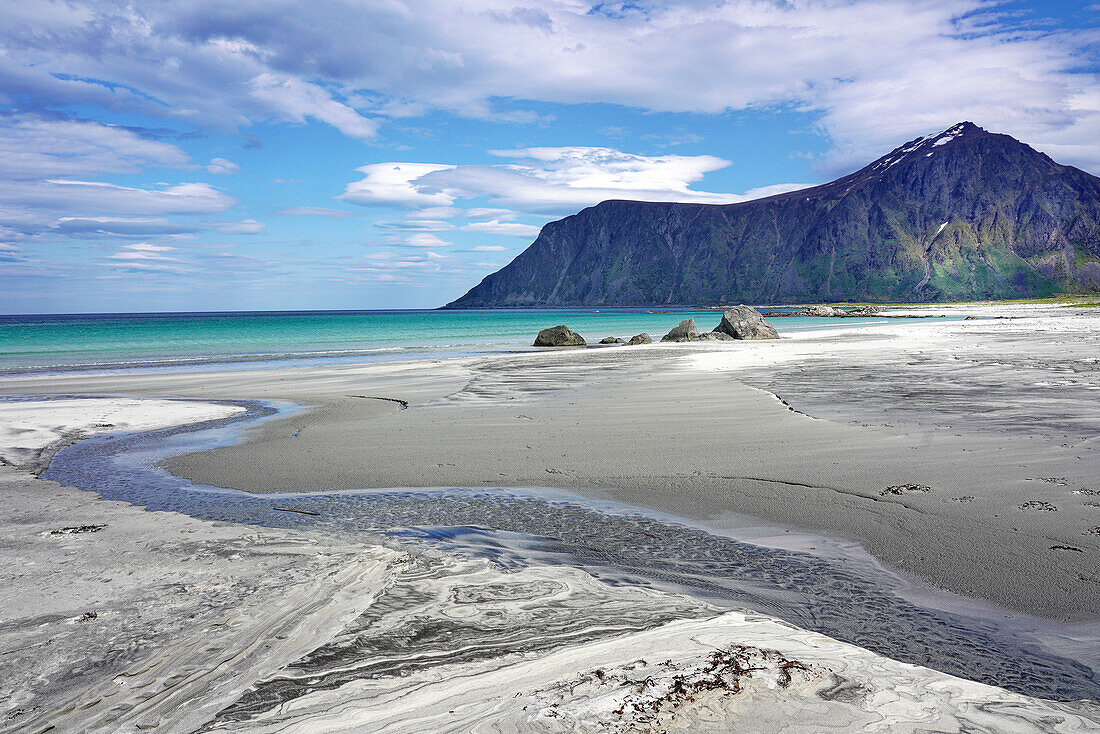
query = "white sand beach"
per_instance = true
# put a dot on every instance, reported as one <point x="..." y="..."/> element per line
<point x="118" y="619"/>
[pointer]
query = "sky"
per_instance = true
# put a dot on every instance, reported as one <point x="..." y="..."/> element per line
<point x="199" y="155"/>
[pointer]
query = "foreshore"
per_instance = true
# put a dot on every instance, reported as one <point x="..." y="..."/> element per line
<point x="963" y="453"/>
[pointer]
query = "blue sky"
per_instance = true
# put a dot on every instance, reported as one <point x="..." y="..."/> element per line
<point x="202" y="155"/>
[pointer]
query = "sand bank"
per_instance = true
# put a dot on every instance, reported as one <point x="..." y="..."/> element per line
<point x="30" y="436"/>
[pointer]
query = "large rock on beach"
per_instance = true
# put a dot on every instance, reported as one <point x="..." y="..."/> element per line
<point x="822" y="310"/>
<point x="612" y="340"/>
<point x="637" y="339"/>
<point x="685" y="332"/>
<point x="745" y="322"/>
<point x="559" y="336"/>
<point x="867" y="310"/>
<point x="714" y="336"/>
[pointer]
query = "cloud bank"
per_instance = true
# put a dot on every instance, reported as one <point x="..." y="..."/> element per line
<point x="874" y="72"/>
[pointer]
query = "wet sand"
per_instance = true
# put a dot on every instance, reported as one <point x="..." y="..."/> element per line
<point x="160" y="622"/>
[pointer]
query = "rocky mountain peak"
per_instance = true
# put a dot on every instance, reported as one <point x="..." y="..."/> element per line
<point x="926" y="146"/>
<point x="959" y="214"/>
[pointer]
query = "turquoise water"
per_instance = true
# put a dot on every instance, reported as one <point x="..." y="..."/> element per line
<point x="99" y="341"/>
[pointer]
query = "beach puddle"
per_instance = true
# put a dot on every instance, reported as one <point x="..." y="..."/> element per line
<point x="550" y="546"/>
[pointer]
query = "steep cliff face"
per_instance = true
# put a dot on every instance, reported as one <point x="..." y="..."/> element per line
<point x="964" y="214"/>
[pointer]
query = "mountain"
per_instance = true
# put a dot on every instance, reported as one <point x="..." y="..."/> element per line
<point x="964" y="214"/>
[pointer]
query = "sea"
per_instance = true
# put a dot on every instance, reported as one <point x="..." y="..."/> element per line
<point x="241" y="340"/>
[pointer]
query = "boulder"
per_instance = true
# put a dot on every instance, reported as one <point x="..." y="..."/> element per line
<point x="822" y="311"/>
<point x="745" y="322"/>
<point x="559" y="336"/>
<point x="685" y="332"/>
<point x="718" y="336"/>
<point x="637" y="339"/>
<point x="612" y="340"/>
<point x="867" y="310"/>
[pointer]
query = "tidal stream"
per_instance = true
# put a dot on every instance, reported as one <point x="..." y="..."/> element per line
<point x="850" y="599"/>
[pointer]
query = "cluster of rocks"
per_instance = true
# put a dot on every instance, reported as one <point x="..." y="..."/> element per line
<point x="563" y="336"/>
<point x="742" y="322"/>
<point x="831" y="312"/>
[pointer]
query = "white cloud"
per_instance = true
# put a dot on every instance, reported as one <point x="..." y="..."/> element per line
<point x="314" y="211"/>
<point x="146" y="255"/>
<point x="289" y="98"/>
<point x="144" y="249"/>
<point x="547" y="181"/>
<point x="487" y="248"/>
<point x="118" y="226"/>
<point x="510" y="229"/>
<point x="97" y="199"/>
<point x="222" y="166"/>
<point x="425" y="239"/>
<point x="10" y="253"/>
<point x="875" y="72"/>
<point x="388" y="260"/>
<point x="610" y="169"/>
<point x="490" y="212"/>
<point x="393" y="184"/>
<point x="435" y="212"/>
<point x="43" y="165"/>
<point x="245" y="226"/>
<point x="34" y="147"/>
<point x="417" y="225"/>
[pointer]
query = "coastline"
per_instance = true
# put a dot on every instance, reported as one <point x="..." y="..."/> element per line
<point x="189" y="342"/>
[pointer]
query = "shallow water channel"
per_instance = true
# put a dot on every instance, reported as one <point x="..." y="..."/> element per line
<point x="847" y="597"/>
